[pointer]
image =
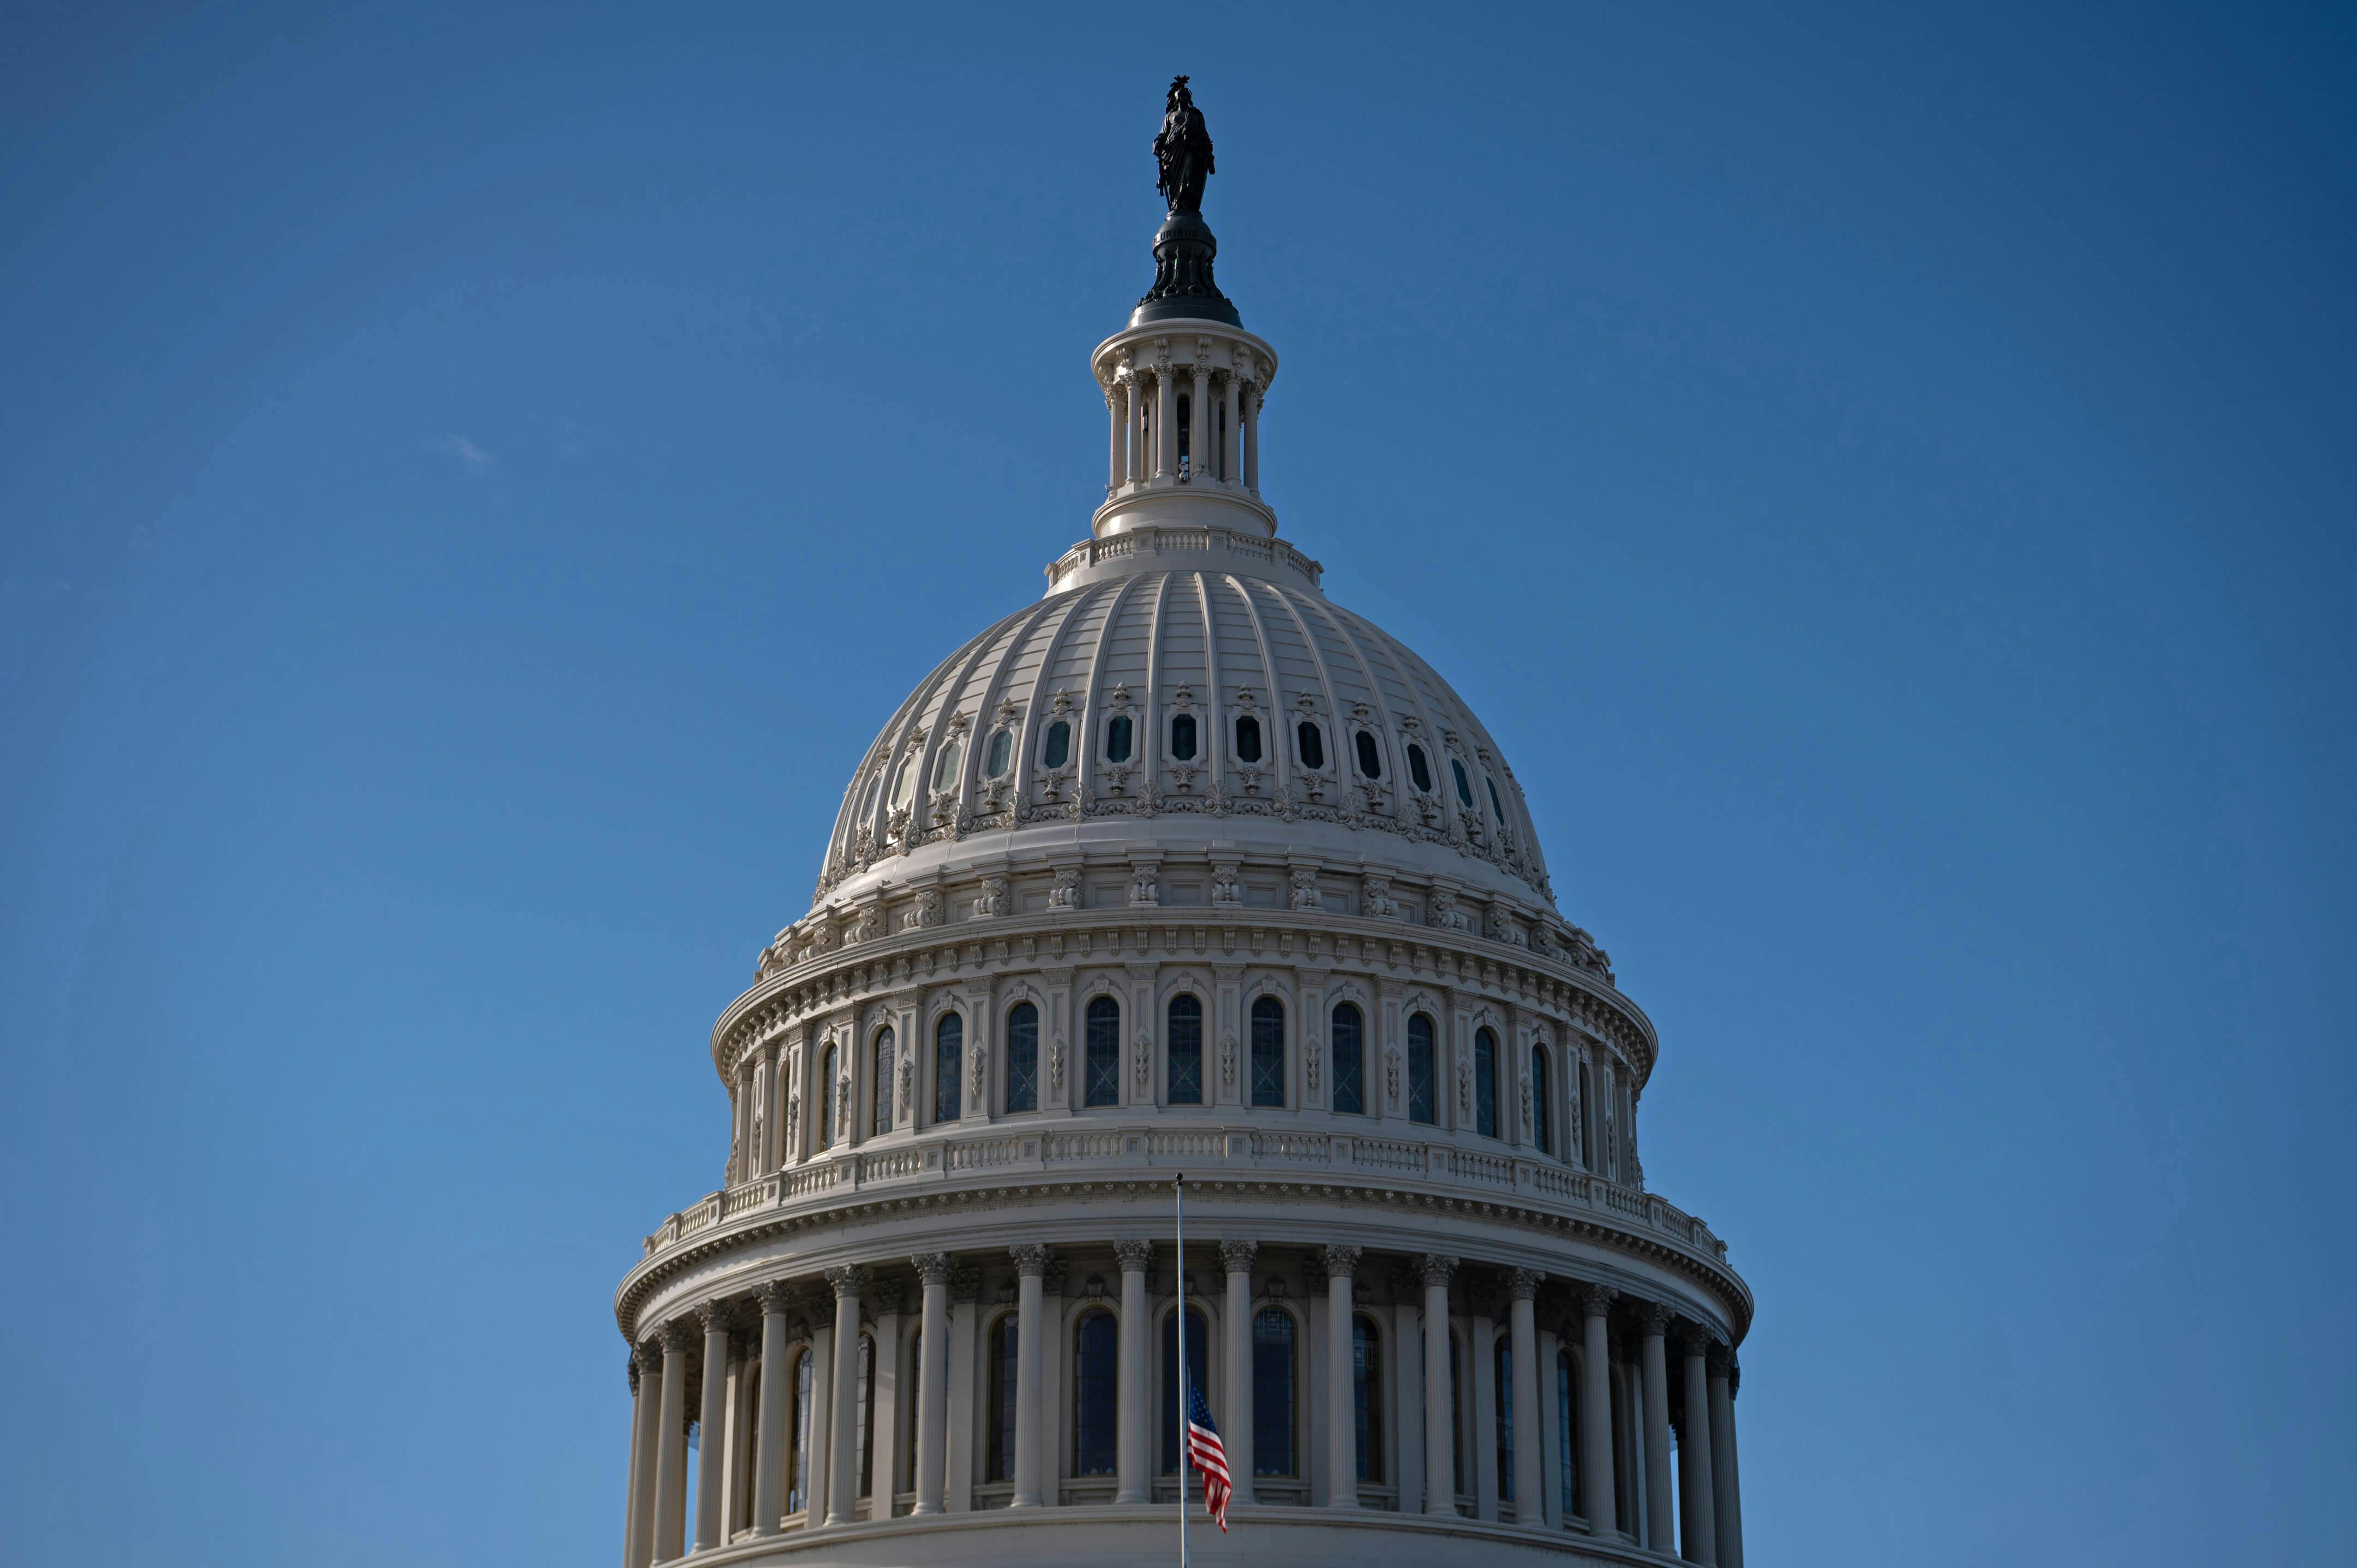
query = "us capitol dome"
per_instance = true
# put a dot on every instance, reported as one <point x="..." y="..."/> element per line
<point x="1183" y="869"/>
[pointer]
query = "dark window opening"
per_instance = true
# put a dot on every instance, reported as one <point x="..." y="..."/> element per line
<point x="1117" y="738"/>
<point x="1419" y="1069"/>
<point x="1485" y="1083"/>
<point x="1247" y="739"/>
<point x="1350" y="1051"/>
<point x="1182" y="738"/>
<point x="1186" y="1037"/>
<point x="1417" y="769"/>
<point x="1058" y="749"/>
<point x="1464" y="785"/>
<point x="1023" y="1057"/>
<point x="1312" y="744"/>
<point x="948" y="1049"/>
<point x="1371" y="759"/>
<point x="1268" y="1051"/>
<point x="1104" y="1053"/>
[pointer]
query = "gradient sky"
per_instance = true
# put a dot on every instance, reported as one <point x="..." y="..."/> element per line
<point x="473" y="481"/>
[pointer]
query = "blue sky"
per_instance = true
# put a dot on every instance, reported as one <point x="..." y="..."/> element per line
<point x="472" y="479"/>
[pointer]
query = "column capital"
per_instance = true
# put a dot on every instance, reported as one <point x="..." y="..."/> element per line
<point x="1523" y="1284"/>
<point x="1436" y="1268"/>
<point x="717" y="1316"/>
<point x="651" y="1354"/>
<point x="1653" y="1318"/>
<point x="679" y="1335"/>
<point x="1237" y="1257"/>
<point x="1720" y="1358"/>
<point x="934" y="1268"/>
<point x="1135" y="1257"/>
<point x="848" y="1280"/>
<point x="1695" y="1339"/>
<point x="1030" y="1259"/>
<point x="1595" y="1300"/>
<point x="1342" y="1262"/>
<point x="631" y="1369"/>
<point x="777" y="1298"/>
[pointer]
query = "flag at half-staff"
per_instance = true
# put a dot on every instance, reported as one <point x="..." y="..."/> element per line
<point x="1208" y="1455"/>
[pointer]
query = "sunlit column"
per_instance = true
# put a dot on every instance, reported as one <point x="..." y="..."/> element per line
<point x="1252" y="396"/>
<point x="671" y="1443"/>
<point x="711" y="1419"/>
<point x="1698" y="1514"/>
<point x="843" y="1456"/>
<point x="965" y="1291"/>
<point x="1166" y="425"/>
<point x="1116" y="419"/>
<point x="1199" y="421"/>
<point x="1030" y="1264"/>
<point x="1236" y="1421"/>
<point x="1596" y="1409"/>
<point x="933" y="1379"/>
<point x="1131" y="1433"/>
<point x="770" y="1449"/>
<point x="1660" y="1523"/>
<point x="644" y="1392"/>
<point x="1439" y="1399"/>
<point x="1529" y="1476"/>
<point x="1232" y="427"/>
<point x="1342" y="1381"/>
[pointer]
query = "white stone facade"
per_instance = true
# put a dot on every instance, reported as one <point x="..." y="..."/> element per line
<point x="1183" y="869"/>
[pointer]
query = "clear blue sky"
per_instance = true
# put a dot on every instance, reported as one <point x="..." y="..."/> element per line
<point x="472" y="480"/>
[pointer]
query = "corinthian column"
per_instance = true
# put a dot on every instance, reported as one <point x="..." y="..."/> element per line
<point x="1530" y="1494"/>
<point x="1595" y="1410"/>
<point x="1341" y="1383"/>
<point x="1199" y="423"/>
<point x="1697" y="1511"/>
<point x="1232" y="438"/>
<point x="1236" y="1421"/>
<point x="932" y="1380"/>
<point x="670" y="1444"/>
<point x="1166" y="423"/>
<point x="1252" y="438"/>
<point x="1439" y="1398"/>
<point x="713" y="1418"/>
<point x="1724" y="1488"/>
<point x="1652" y="1322"/>
<point x="770" y="1453"/>
<point x="1117" y="417"/>
<point x="1130" y="1431"/>
<point x="646" y="1389"/>
<point x="843" y="1456"/>
<point x="1030" y="1264"/>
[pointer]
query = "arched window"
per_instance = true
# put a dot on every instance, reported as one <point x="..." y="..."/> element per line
<point x="1268" y="1051"/>
<point x="1247" y="739"/>
<point x="999" y="1462"/>
<point x="1117" y="730"/>
<point x="946" y="771"/>
<point x="1456" y="1454"/>
<point x="1624" y="1442"/>
<point x="1182" y="738"/>
<point x="1485" y="1083"/>
<point x="949" y="1052"/>
<point x="1057" y="749"/>
<point x="1502" y="1366"/>
<point x="1272" y="1393"/>
<point x="1497" y="808"/>
<point x="798" y="1462"/>
<point x="1023" y="1057"/>
<point x="1420" y="771"/>
<point x="905" y="791"/>
<point x="826" y="1098"/>
<point x="998" y="752"/>
<point x="1464" y="785"/>
<point x="1312" y="744"/>
<point x="1586" y="1151"/>
<point x="1185" y="1034"/>
<point x="881" y="1121"/>
<point x="866" y="1417"/>
<point x="1367" y="1396"/>
<point x="1350" y="1052"/>
<point x="1542" y="1097"/>
<point x="1173" y="1399"/>
<point x="1419" y="1069"/>
<point x="1567" y="1434"/>
<point x="1371" y="759"/>
<point x="1104" y="1053"/>
<point x="1095" y="1394"/>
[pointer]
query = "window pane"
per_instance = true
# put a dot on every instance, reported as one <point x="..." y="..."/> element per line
<point x="1268" y="1052"/>
<point x="1567" y="1436"/>
<point x="1418" y="769"/>
<point x="1247" y="739"/>
<point x="1313" y="745"/>
<point x="1000" y="1461"/>
<point x="995" y="759"/>
<point x="798" y="1462"/>
<point x="1186" y="1034"/>
<point x="945" y="773"/>
<point x="1371" y="760"/>
<point x="1172" y="1400"/>
<point x="1419" y="1069"/>
<point x="1058" y="749"/>
<point x="1103" y="1056"/>
<point x="1540" y="1131"/>
<point x="949" y="1051"/>
<point x="1272" y="1393"/>
<point x="1182" y="738"/>
<point x="1496" y="810"/>
<point x="826" y="1076"/>
<point x="866" y="1417"/>
<point x="1023" y="1057"/>
<point x="1463" y="788"/>
<point x="1485" y="1083"/>
<point x="1502" y="1367"/>
<point x="1117" y="738"/>
<point x="1367" y="1395"/>
<point x="1350" y="1051"/>
<point x="883" y="1080"/>
<point x="1095" y="1398"/>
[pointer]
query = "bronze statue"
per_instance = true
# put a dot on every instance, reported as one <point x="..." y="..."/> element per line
<point x="1183" y="149"/>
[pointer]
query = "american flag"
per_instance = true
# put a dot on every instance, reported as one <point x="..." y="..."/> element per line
<point x="1208" y="1455"/>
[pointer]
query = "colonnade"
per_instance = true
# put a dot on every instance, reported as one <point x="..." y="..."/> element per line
<point x="1007" y="1408"/>
<point x="1222" y="421"/>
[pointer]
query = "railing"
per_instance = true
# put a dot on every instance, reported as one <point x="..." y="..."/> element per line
<point x="1195" y="540"/>
<point x="1214" y="1151"/>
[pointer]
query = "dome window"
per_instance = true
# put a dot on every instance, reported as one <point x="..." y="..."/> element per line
<point x="1057" y="749"/>
<point x="1182" y="738"/>
<point x="1371" y="760"/>
<point x="1247" y="739"/>
<point x="1495" y="807"/>
<point x="945" y="772"/>
<point x="1117" y="738"/>
<point x="1418" y="770"/>
<point x="997" y="754"/>
<point x="1312" y="744"/>
<point x="1464" y="785"/>
<point x="906" y="789"/>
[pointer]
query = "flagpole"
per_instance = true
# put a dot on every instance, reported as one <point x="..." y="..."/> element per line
<point x="1186" y="1381"/>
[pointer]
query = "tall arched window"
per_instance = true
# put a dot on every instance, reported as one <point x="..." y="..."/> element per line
<point x="1023" y="1057"/>
<point x="1344" y="1028"/>
<point x="1542" y="1100"/>
<point x="1272" y="1426"/>
<point x="1485" y="1083"/>
<point x="1456" y="1456"/>
<point x="1567" y="1434"/>
<point x="1173" y="1399"/>
<point x="1502" y="1366"/>
<point x="1268" y="1051"/>
<point x="826" y="1098"/>
<point x="1587" y="1103"/>
<point x="1367" y="1396"/>
<point x="866" y="1417"/>
<point x="881" y="1122"/>
<point x="1104" y="1053"/>
<point x="999" y="1462"/>
<point x="1419" y="1069"/>
<point x="798" y="1462"/>
<point x="949" y="1054"/>
<point x="1095" y="1394"/>
<point x="1185" y="1034"/>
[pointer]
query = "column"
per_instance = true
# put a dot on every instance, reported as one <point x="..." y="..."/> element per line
<point x="1117" y="418"/>
<point x="1232" y="437"/>
<point x="1236" y="1420"/>
<point x="1552" y="1501"/>
<point x="770" y="1458"/>
<point x="1652" y="1322"/>
<point x="1530" y="1474"/>
<point x="670" y="1444"/>
<point x="1131" y="1437"/>
<point x="1134" y="469"/>
<point x="1030" y="1306"/>
<point x="1439" y="1399"/>
<point x="1166" y="425"/>
<point x="933" y="1379"/>
<point x="965" y="1289"/>
<point x="821" y="1426"/>
<point x="645" y="1450"/>
<point x="1724" y="1489"/>
<point x="843" y="1443"/>
<point x="712" y="1419"/>
<point x="1403" y="1380"/>
<point x="884" y="1431"/>
<point x="1595" y="1410"/>
<point x="1199" y="421"/>
<point x="1697" y="1514"/>
<point x="1342" y="1381"/>
<point x="1252" y="438"/>
<point x="1055" y="1368"/>
<point x="633" y="1493"/>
